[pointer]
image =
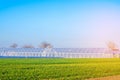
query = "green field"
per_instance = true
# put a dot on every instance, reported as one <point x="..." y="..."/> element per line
<point x="57" y="69"/>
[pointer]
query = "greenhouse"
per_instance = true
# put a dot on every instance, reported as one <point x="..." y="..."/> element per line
<point x="59" y="52"/>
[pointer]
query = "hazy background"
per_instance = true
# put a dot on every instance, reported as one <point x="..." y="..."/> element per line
<point x="63" y="23"/>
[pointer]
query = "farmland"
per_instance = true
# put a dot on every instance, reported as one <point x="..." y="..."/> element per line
<point x="57" y="68"/>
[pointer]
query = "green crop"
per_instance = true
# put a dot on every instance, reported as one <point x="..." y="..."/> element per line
<point x="57" y="68"/>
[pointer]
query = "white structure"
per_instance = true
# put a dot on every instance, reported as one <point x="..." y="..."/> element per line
<point x="58" y="52"/>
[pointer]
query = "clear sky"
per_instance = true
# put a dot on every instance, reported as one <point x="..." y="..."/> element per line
<point x="63" y="23"/>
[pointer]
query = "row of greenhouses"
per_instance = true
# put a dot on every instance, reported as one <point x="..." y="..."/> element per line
<point x="59" y="52"/>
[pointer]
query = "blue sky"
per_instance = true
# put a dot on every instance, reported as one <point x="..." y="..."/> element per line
<point x="63" y="23"/>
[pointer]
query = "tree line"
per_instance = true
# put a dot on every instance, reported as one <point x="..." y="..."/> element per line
<point x="42" y="45"/>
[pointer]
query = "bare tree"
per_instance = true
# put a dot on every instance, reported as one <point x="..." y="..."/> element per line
<point x="45" y="45"/>
<point x="14" y="45"/>
<point x="111" y="45"/>
<point x="28" y="46"/>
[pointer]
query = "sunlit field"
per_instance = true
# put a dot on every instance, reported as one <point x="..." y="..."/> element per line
<point x="57" y="69"/>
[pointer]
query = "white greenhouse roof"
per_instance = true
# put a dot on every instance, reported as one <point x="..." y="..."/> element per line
<point x="59" y="50"/>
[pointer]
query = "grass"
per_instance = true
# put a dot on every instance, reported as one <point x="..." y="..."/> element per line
<point x="57" y="69"/>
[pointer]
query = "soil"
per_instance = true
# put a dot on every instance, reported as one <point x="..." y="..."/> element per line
<point x="107" y="78"/>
